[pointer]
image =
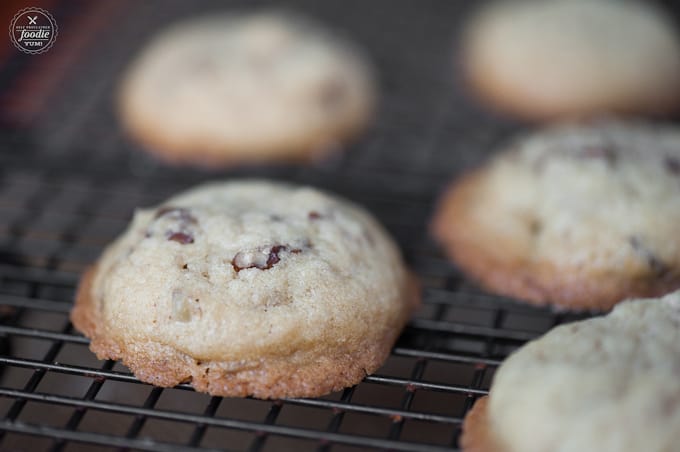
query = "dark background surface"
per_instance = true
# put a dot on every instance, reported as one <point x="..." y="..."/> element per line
<point x="70" y="179"/>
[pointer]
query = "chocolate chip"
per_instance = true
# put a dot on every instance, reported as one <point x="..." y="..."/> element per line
<point x="181" y="231"/>
<point x="314" y="215"/>
<point x="273" y="257"/>
<point x="655" y="264"/>
<point x="180" y="237"/>
<point x="672" y="165"/>
<point x="275" y="218"/>
<point x="262" y="258"/>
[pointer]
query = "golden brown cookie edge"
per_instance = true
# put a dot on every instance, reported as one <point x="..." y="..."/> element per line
<point x="164" y="366"/>
<point x="477" y="435"/>
<point x="314" y="146"/>
<point x="537" y="283"/>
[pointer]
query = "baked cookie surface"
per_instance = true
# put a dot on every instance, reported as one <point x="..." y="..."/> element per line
<point x="574" y="58"/>
<point x="579" y="216"/>
<point x="248" y="288"/>
<point x="607" y="384"/>
<point x="243" y="88"/>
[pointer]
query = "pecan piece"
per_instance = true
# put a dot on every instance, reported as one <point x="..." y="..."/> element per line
<point x="261" y="258"/>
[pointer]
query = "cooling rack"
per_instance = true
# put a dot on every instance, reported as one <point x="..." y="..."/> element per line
<point x="70" y="180"/>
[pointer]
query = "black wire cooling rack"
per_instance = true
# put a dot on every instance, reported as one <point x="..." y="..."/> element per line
<point x="70" y="179"/>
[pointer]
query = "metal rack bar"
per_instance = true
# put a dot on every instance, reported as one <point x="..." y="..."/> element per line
<point x="228" y="423"/>
<point x="78" y="414"/>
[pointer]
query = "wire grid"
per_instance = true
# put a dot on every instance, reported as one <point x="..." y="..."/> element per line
<point x="70" y="180"/>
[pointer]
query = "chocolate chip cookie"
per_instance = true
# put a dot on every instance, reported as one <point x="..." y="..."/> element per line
<point x="574" y="58"/>
<point x="580" y="216"/>
<point x="607" y="384"/>
<point x="248" y="288"/>
<point x="244" y="88"/>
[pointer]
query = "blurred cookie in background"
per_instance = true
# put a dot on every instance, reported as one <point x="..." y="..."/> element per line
<point x="573" y="58"/>
<point x="580" y="216"/>
<point x="246" y="88"/>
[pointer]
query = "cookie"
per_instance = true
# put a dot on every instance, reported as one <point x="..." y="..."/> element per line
<point x="606" y="384"/>
<point x="248" y="288"/>
<point x="573" y="58"/>
<point x="245" y="88"/>
<point x="580" y="216"/>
